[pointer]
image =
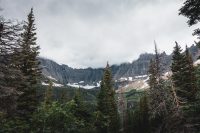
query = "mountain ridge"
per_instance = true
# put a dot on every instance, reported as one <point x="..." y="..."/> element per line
<point x="92" y="76"/>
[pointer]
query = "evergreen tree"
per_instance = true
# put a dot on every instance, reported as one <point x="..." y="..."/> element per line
<point x="138" y="117"/>
<point x="152" y="74"/>
<point x="198" y="77"/>
<point x="177" y="69"/>
<point x="80" y="110"/>
<point x="190" y="9"/>
<point x="10" y="76"/>
<point x="49" y="94"/>
<point x="82" y="114"/>
<point x="156" y="89"/>
<point x="106" y="105"/>
<point x="183" y="74"/>
<point x="144" y="115"/>
<point x="160" y="98"/>
<point x="29" y="66"/>
<point x="189" y="79"/>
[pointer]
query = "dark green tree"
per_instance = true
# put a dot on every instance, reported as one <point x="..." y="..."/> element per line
<point x="27" y="102"/>
<point x="138" y="117"/>
<point x="189" y="78"/>
<point x="144" y="115"/>
<point x="152" y="76"/>
<point x="82" y="114"/>
<point x="198" y="76"/>
<point x="177" y="68"/>
<point x="183" y="74"/>
<point x="49" y="93"/>
<point x="190" y="9"/>
<point x="156" y="83"/>
<point x="10" y="76"/>
<point x="107" y="106"/>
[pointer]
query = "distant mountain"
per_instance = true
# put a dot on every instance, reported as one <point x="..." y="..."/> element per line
<point x="92" y="76"/>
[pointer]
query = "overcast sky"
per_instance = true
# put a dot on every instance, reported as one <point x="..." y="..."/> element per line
<point x="88" y="33"/>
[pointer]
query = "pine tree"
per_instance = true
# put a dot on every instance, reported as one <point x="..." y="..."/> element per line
<point x="29" y="66"/>
<point x="156" y="89"/>
<point x="189" y="79"/>
<point x="183" y="74"/>
<point x="198" y="76"/>
<point x="160" y="99"/>
<point x="10" y="76"/>
<point x="152" y="74"/>
<point x="190" y="9"/>
<point x="106" y="104"/>
<point x="177" y="68"/>
<point x="144" y="115"/>
<point x="49" y="94"/>
<point x="80" y="111"/>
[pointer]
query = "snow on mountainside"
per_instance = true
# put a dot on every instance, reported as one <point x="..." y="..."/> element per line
<point x="82" y="86"/>
<point x="197" y="62"/>
<point x="126" y="75"/>
<point x="139" y="82"/>
<point x="54" y="84"/>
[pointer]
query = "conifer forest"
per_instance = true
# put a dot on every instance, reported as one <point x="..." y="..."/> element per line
<point x="38" y="95"/>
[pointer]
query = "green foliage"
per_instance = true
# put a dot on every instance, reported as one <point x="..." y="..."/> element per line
<point x="49" y="94"/>
<point x="10" y="76"/>
<point x="54" y="118"/>
<point x="61" y="118"/>
<point x="137" y="120"/>
<point x="107" y="105"/>
<point x="183" y="75"/>
<point x="190" y="9"/>
<point x="27" y="101"/>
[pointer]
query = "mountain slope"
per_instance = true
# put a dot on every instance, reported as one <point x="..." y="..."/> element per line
<point x="91" y="76"/>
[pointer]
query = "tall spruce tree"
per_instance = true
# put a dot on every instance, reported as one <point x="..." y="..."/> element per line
<point x="177" y="67"/>
<point x="10" y="76"/>
<point x="189" y="77"/>
<point x="183" y="74"/>
<point x="29" y="66"/>
<point x="107" y="105"/>
<point x="156" y="89"/>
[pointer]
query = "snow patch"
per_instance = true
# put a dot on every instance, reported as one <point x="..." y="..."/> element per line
<point x="43" y="83"/>
<point x="130" y="78"/>
<point x="196" y="63"/>
<point x="57" y="85"/>
<point x="82" y="86"/>
<point x="81" y="82"/>
<point x="50" y="77"/>
<point x="54" y="84"/>
<point x="141" y="76"/>
<point x="123" y="79"/>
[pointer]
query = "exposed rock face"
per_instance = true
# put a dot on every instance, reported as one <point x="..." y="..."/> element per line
<point x="65" y="74"/>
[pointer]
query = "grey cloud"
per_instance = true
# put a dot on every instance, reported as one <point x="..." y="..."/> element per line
<point x="88" y="33"/>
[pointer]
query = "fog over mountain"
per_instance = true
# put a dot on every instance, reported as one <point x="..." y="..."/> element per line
<point x="88" y="33"/>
